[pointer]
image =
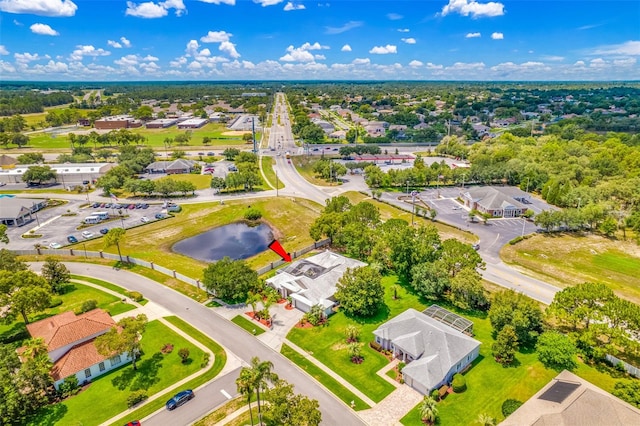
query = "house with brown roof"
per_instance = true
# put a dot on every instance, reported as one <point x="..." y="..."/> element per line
<point x="70" y="344"/>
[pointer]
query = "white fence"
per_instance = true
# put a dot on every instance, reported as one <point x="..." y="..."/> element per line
<point x="166" y="271"/>
<point x="634" y="371"/>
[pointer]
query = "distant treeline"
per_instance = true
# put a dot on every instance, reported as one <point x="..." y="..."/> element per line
<point x="24" y="102"/>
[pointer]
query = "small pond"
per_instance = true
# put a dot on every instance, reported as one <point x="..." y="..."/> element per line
<point x="236" y="240"/>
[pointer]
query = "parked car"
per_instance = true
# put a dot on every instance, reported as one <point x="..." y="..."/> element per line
<point x="107" y="206"/>
<point x="160" y="216"/>
<point x="201" y="153"/>
<point x="55" y="245"/>
<point x="104" y="231"/>
<point x="476" y="246"/>
<point x="72" y="239"/>
<point x="102" y="205"/>
<point x="95" y="205"/>
<point x="133" y="423"/>
<point x="145" y="206"/>
<point x="179" y="399"/>
<point x="138" y="205"/>
<point x="131" y="206"/>
<point x="144" y="219"/>
<point x="211" y="154"/>
<point x="87" y="234"/>
<point x="174" y="208"/>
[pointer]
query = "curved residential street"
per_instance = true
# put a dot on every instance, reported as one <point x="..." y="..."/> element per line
<point x="227" y="334"/>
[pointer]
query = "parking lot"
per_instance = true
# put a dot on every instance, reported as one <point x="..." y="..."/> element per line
<point x="56" y="225"/>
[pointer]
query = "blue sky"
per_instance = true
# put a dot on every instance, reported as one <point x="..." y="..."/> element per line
<point x="137" y="40"/>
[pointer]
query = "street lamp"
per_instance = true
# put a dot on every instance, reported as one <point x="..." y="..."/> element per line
<point x="413" y="204"/>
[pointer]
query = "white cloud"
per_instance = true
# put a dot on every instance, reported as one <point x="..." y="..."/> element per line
<point x="43" y="29"/>
<point x="431" y="66"/>
<point x="215" y="37"/>
<point x="229" y="48"/>
<point x="152" y="10"/>
<point x="18" y="23"/>
<point x="361" y="61"/>
<point x="195" y="65"/>
<point x="627" y="62"/>
<point x="473" y="8"/>
<point x="26" y="57"/>
<point x="403" y="30"/>
<point x="291" y="6"/>
<point x="114" y="44"/>
<point x="497" y="36"/>
<point x="128" y="60"/>
<point x="7" y="67"/>
<point x="229" y="2"/>
<point x="346" y="27"/>
<point x="346" y="48"/>
<point x="630" y="47"/>
<point x="384" y="50"/>
<point x="87" y="50"/>
<point x="463" y="66"/>
<point x="409" y="40"/>
<point x="265" y="3"/>
<point x="415" y="64"/>
<point x="552" y="58"/>
<point x="394" y="16"/>
<point x="192" y="47"/>
<point x="3" y="50"/>
<point x="301" y="54"/>
<point x="150" y="58"/>
<point x="248" y="65"/>
<point x="51" y="67"/>
<point x="178" y="62"/>
<point x="54" y="8"/>
<point x="125" y="42"/>
<point x="473" y="35"/>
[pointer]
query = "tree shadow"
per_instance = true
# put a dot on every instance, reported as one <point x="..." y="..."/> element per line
<point x="67" y="288"/>
<point x="144" y="377"/>
<point x="49" y="415"/>
<point x="381" y="315"/>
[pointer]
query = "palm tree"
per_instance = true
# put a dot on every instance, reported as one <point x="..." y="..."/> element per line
<point x="261" y="376"/>
<point x="486" y="420"/>
<point x="244" y="382"/>
<point x="428" y="410"/>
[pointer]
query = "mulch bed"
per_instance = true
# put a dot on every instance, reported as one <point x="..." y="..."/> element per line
<point x="261" y="321"/>
<point x="288" y="307"/>
<point x="304" y="325"/>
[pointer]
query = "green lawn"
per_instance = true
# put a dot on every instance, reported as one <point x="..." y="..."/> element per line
<point x="72" y="300"/>
<point x="328" y="345"/>
<point x="220" y="359"/>
<point x="249" y="326"/>
<point x="489" y="384"/>
<point x="326" y="380"/>
<point x="155" y="373"/>
<point x="304" y="165"/>
<point x="568" y="259"/>
<point x="109" y="286"/>
<point x="269" y="173"/>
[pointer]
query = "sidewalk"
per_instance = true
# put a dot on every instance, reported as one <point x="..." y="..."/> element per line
<point x="153" y="311"/>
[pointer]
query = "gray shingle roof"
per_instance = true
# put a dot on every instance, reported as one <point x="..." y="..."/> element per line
<point x="492" y="199"/>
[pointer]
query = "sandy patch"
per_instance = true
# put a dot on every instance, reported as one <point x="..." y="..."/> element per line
<point x="235" y="132"/>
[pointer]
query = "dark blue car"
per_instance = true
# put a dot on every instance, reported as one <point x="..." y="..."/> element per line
<point x="72" y="239"/>
<point x="179" y="399"/>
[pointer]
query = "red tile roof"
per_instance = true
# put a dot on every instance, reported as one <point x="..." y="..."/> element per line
<point x="77" y="359"/>
<point x="66" y="328"/>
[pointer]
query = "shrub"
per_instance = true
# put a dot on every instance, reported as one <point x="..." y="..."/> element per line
<point x="376" y="346"/>
<point x="55" y="302"/>
<point x="184" y="354"/>
<point x="401" y="365"/>
<point x="134" y="295"/>
<point x="69" y="386"/>
<point x="509" y="406"/>
<point x="352" y="333"/>
<point x="252" y="214"/>
<point x="88" y="305"/>
<point x="516" y="240"/>
<point x="205" y="360"/>
<point x="459" y="383"/>
<point x="136" y="397"/>
<point x="167" y="348"/>
<point x="14" y="335"/>
<point x="435" y="394"/>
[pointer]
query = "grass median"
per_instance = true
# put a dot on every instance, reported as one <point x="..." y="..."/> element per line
<point x="269" y="173"/>
<point x="220" y="359"/>
<point x="249" y="326"/>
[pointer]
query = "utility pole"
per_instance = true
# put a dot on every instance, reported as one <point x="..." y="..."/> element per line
<point x="253" y="133"/>
<point x="413" y="204"/>
<point x="277" y="182"/>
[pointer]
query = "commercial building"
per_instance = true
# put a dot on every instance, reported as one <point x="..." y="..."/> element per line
<point x="117" y="122"/>
<point x="19" y="211"/>
<point x="161" y="123"/>
<point x="67" y="173"/>
<point x="192" y="123"/>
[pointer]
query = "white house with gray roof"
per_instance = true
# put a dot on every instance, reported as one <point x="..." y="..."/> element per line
<point x="495" y="203"/>
<point x="433" y="351"/>
<point x="312" y="281"/>
<point x="19" y="211"/>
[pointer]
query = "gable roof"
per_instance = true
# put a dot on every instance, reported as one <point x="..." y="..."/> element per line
<point x="492" y="199"/>
<point x="435" y="346"/>
<point x="179" y="164"/>
<point x="66" y="328"/>
<point x="586" y="405"/>
<point x="315" y="277"/>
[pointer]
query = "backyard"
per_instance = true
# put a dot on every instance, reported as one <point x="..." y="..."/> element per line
<point x="156" y="371"/>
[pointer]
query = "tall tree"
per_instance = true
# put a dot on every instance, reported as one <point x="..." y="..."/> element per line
<point x="56" y="274"/>
<point x="518" y="311"/>
<point x="466" y="290"/>
<point x="557" y="351"/>
<point x="4" y="238"/>
<point x="287" y="408"/>
<point x="581" y="304"/>
<point x="9" y="261"/>
<point x="360" y="291"/>
<point x="244" y="383"/>
<point x="506" y="345"/>
<point x="262" y="374"/>
<point x="24" y="293"/>
<point x="123" y="338"/>
<point x="115" y="236"/>
<point x="230" y="279"/>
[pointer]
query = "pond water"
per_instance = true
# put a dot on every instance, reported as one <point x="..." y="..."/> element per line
<point x="236" y="240"/>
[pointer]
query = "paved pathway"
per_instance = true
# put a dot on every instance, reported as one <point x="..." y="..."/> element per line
<point x="394" y="407"/>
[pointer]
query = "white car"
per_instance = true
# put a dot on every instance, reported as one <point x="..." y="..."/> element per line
<point x="55" y="245"/>
<point x="144" y="219"/>
<point x="87" y="234"/>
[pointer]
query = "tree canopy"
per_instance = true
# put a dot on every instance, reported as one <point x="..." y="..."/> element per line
<point x="359" y="291"/>
<point x="230" y="280"/>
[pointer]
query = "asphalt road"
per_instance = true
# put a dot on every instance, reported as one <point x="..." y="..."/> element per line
<point x="226" y="333"/>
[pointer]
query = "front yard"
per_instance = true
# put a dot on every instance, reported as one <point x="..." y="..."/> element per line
<point x="327" y="343"/>
<point x="107" y="396"/>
